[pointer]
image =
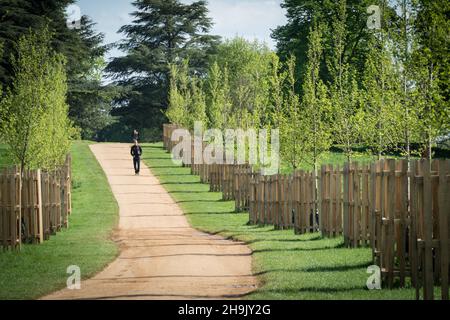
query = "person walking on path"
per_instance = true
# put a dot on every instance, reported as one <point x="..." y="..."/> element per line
<point x="136" y="153"/>
<point x="135" y="135"/>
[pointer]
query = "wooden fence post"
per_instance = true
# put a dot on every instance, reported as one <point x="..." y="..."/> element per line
<point x="39" y="205"/>
<point x="444" y="225"/>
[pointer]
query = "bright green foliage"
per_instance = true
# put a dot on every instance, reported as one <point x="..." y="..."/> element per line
<point x="177" y="112"/>
<point x="289" y="119"/>
<point x="34" y="119"/>
<point x="431" y="69"/>
<point x="383" y="111"/>
<point x="187" y="99"/>
<point x="218" y="96"/>
<point x="277" y="80"/>
<point x="315" y="135"/>
<point x="197" y="104"/>
<point x="432" y="108"/>
<point x="248" y="66"/>
<point x="344" y="91"/>
<point x="89" y="99"/>
<point x="409" y="124"/>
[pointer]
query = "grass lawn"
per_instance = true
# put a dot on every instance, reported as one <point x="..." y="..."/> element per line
<point x="289" y="266"/>
<point x="41" y="269"/>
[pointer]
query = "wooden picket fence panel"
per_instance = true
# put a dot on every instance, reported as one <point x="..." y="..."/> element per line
<point x="242" y="178"/>
<point x="31" y="205"/>
<point x="10" y="212"/>
<point x="305" y="202"/>
<point x="331" y="201"/>
<point x="42" y="202"/>
<point x="285" y="201"/>
<point x="356" y="221"/>
<point x="390" y="231"/>
<point x="168" y="129"/>
<point x="430" y="213"/>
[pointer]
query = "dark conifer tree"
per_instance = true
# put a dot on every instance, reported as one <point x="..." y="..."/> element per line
<point x="162" y="32"/>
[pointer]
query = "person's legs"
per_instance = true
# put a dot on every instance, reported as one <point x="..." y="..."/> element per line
<point x="135" y="164"/>
<point x="138" y="165"/>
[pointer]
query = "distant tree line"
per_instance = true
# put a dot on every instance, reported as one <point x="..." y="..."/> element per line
<point x="332" y="79"/>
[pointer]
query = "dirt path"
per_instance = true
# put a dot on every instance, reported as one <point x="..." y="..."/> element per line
<point x="161" y="256"/>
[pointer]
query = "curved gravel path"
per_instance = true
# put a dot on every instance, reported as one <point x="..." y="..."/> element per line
<point x="161" y="256"/>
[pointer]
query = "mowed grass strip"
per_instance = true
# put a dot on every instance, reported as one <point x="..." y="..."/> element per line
<point x="289" y="266"/>
<point x="41" y="269"/>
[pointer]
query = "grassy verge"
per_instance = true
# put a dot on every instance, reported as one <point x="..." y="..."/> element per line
<point x="41" y="269"/>
<point x="289" y="266"/>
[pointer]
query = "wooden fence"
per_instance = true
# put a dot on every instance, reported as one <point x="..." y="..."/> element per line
<point x="284" y="201"/>
<point x="400" y="210"/>
<point x="10" y="213"/>
<point x="168" y="129"/>
<point x="34" y="204"/>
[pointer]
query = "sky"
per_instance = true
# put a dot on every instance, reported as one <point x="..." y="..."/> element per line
<point x="251" y="19"/>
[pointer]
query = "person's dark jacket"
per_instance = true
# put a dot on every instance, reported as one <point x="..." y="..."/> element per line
<point x="136" y="152"/>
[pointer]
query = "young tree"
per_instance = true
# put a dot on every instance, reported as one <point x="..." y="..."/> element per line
<point x="34" y="119"/>
<point x="344" y="92"/>
<point x="277" y="80"/>
<point x="179" y="95"/>
<point x="382" y="88"/>
<point x="218" y="96"/>
<point x="89" y="99"/>
<point x="403" y="50"/>
<point x="288" y="117"/>
<point x="248" y="66"/>
<point x="431" y="69"/>
<point x="197" y="103"/>
<point x="315" y="111"/>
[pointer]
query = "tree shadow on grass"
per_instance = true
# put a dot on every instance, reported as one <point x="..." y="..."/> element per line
<point x="286" y="240"/>
<point x="342" y="268"/>
<point x="180" y="183"/>
<point x="164" y="167"/>
<point x="309" y="290"/>
<point x="208" y="213"/>
<point x="326" y="248"/>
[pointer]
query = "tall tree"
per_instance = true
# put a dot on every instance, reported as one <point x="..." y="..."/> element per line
<point x="89" y="98"/>
<point x="381" y="80"/>
<point x="344" y="91"/>
<point x="162" y="33"/>
<point x="33" y="114"/>
<point x="177" y="111"/>
<point x="303" y="14"/>
<point x="218" y="96"/>
<point x="288" y="117"/>
<point x="248" y="65"/>
<point x="89" y="101"/>
<point x="432" y="69"/>
<point x="315" y="104"/>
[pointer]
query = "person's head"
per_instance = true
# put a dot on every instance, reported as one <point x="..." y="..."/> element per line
<point x="136" y="143"/>
<point x="135" y="131"/>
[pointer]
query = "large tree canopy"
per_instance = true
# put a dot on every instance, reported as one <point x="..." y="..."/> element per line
<point x="292" y="38"/>
<point x="162" y="33"/>
<point x="83" y="49"/>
